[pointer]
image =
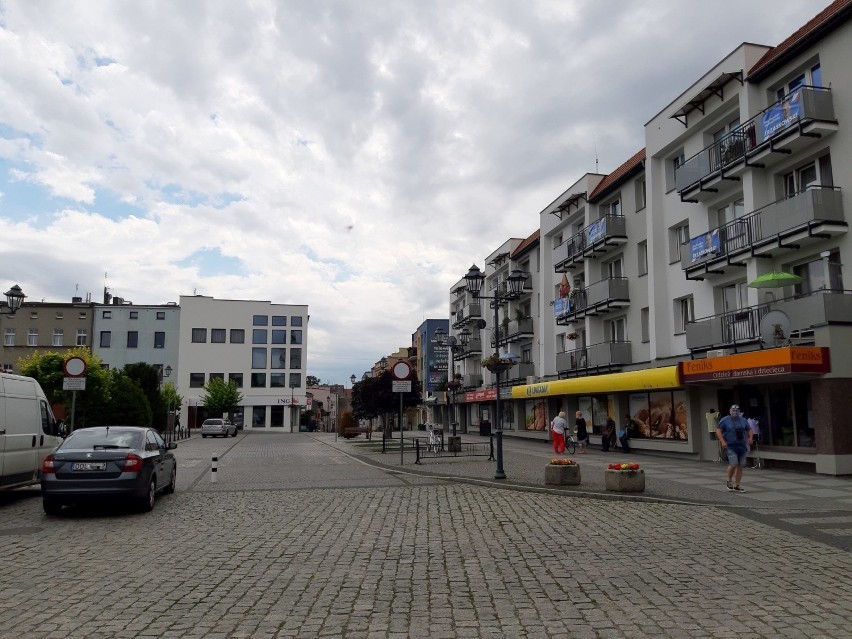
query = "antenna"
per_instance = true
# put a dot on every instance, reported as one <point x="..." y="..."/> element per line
<point x="594" y="142"/>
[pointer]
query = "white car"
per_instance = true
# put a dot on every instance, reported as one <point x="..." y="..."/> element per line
<point x="218" y="427"/>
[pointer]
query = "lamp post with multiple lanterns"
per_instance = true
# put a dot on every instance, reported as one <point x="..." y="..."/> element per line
<point x="473" y="283"/>
<point x="450" y="342"/>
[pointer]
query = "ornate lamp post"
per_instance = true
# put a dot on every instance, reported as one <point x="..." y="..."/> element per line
<point x="473" y="281"/>
<point x="450" y="342"/>
<point x="14" y="298"/>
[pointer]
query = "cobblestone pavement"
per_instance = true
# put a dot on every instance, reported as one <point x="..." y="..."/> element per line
<point x="299" y="539"/>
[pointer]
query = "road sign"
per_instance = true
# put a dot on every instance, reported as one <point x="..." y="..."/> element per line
<point x="401" y="370"/>
<point x="401" y="386"/>
<point x="73" y="383"/>
<point x="75" y="367"/>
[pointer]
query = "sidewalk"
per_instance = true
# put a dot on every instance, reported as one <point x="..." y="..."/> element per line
<point x="667" y="479"/>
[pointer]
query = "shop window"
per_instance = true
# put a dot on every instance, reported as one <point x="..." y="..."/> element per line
<point x="258" y="416"/>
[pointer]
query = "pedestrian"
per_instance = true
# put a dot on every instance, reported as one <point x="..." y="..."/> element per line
<point x="734" y="436"/>
<point x="582" y="432"/>
<point x="712" y="418"/>
<point x="608" y="436"/>
<point x="177" y="425"/>
<point x="557" y="427"/>
<point x="624" y="433"/>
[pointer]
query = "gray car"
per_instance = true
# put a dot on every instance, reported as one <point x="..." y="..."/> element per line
<point x="115" y="463"/>
<point x="218" y="427"/>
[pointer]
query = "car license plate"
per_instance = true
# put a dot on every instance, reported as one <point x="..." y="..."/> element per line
<point x="89" y="466"/>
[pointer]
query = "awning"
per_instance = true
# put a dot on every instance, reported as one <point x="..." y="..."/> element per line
<point x="646" y="379"/>
<point x="714" y="88"/>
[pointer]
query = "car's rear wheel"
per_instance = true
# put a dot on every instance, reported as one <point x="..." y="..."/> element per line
<point x="204" y="436"/>
<point x="51" y="506"/>
<point x="235" y="433"/>
<point x="146" y="503"/>
<point x="172" y="482"/>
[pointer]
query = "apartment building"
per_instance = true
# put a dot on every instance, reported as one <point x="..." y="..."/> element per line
<point x="259" y="345"/>
<point x="649" y="296"/>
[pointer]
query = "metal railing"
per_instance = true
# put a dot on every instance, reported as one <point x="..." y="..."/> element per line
<point x="423" y="450"/>
<point x="602" y="355"/>
<point x="596" y="233"/>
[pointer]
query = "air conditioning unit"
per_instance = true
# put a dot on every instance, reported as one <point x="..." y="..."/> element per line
<point x="719" y="352"/>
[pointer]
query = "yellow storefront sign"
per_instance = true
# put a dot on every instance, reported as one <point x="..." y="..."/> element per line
<point x="648" y="379"/>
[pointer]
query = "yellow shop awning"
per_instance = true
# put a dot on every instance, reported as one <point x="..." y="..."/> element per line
<point x="647" y="379"/>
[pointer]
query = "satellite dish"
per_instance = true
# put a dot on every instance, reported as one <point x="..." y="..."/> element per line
<point x="775" y="328"/>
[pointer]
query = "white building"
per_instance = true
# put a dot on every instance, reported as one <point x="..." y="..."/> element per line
<point x="257" y="344"/>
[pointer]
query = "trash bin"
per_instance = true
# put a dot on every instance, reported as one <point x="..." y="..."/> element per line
<point x="485" y="429"/>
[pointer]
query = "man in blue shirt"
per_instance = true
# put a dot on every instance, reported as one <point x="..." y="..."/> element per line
<point x="734" y="436"/>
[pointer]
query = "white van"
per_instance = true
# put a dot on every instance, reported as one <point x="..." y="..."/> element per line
<point x="28" y="430"/>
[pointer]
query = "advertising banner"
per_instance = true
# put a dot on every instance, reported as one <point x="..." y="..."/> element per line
<point x="782" y="115"/>
<point x="703" y="245"/>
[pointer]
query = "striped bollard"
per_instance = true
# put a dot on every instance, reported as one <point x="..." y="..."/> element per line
<point x="213" y="470"/>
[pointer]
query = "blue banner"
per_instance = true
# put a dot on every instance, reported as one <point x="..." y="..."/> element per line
<point x="596" y="231"/>
<point x="705" y="245"/>
<point x="561" y="305"/>
<point x="783" y="114"/>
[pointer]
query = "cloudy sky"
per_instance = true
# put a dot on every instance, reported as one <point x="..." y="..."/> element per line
<point x="356" y="157"/>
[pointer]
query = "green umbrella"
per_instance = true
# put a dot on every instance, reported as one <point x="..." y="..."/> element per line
<point x="775" y="279"/>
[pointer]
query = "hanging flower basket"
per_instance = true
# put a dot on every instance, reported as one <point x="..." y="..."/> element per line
<point x="497" y="364"/>
<point x="454" y="384"/>
<point x="572" y="336"/>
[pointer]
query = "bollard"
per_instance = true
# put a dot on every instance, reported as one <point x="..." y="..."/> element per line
<point x="213" y="469"/>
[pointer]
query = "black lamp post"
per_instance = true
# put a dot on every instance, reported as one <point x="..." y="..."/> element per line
<point x="352" y="379"/>
<point x="383" y="364"/>
<point x="14" y="298"/>
<point x="474" y="280"/>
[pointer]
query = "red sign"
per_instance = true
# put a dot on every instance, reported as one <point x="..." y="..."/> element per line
<point x="487" y="395"/>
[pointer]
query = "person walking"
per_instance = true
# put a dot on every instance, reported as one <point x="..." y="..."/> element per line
<point x="624" y="433"/>
<point x="582" y="432"/>
<point x="734" y="436"/>
<point x="557" y="427"/>
<point x="608" y="436"/>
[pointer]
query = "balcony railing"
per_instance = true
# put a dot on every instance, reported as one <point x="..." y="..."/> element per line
<point x="474" y="347"/>
<point x="741" y="327"/>
<point x="803" y="106"/>
<point x="521" y="371"/>
<point x="603" y="356"/>
<point x="609" y="230"/>
<point x="472" y="380"/>
<point x="811" y="213"/>
<point x="466" y="314"/>
<point x="596" y="298"/>
<point x="514" y="331"/>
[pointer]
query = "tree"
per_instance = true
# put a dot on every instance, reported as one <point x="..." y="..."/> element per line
<point x="47" y="368"/>
<point x="171" y="397"/>
<point x="128" y="405"/>
<point x="148" y="378"/>
<point x="220" y="398"/>
<point x="374" y="396"/>
<point x="310" y="380"/>
<point x="347" y="420"/>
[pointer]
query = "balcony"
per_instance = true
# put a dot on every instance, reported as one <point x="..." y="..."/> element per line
<point x="472" y="380"/>
<point x="603" y="357"/>
<point x="739" y="328"/>
<point x="514" y="331"/>
<point x="521" y="372"/>
<point x="812" y="215"/>
<point x="467" y="314"/>
<point x="474" y="347"/>
<point x="599" y="237"/>
<point x="595" y="299"/>
<point x="789" y="125"/>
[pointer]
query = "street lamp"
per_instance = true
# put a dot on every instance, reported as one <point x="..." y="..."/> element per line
<point x="473" y="283"/>
<point x="14" y="298"/>
<point x="292" y="401"/>
<point x="352" y="379"/>
<point x="383" y="364"/>
<point x="452" y="385"/>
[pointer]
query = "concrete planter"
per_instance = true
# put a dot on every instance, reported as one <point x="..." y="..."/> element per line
<point x="625" y="481"/>
<point x="562" y="475"/>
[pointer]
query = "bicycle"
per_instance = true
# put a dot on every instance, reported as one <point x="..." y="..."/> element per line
<point x="436" y="442"/>
<point x="570" y="443"/>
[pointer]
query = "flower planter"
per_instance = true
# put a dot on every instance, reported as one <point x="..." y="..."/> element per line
<point x="562" y="475"/>
<point x="499" y="367"/>
<point x="625" y="481"/>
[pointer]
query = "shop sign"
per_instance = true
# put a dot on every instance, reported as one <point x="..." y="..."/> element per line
<point x="489" y="394"/>
<point x="767" y="363"/>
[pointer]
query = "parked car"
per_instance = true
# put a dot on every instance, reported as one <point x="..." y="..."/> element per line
<point x="108" y="463"/>
<point x="218" y="427"/>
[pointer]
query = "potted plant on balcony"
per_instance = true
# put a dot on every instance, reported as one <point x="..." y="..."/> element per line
<point x="498" y="363"/>
<point x="562" y="472"/>
<point x="572" y="336"/>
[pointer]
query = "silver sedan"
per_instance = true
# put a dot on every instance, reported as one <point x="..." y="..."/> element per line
<point x="218" y="427"/>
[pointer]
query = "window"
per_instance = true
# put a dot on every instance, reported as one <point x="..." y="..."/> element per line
<point x="199" y="335"/>
<point x="295" y="336"/>
<point x="160" y="339"/>
<point x="641" y="195"/>
<point x="196" y="380"/>
<point x="258" y="416"/>
<point x="258" y="358"/>
<point x="295" y="321"/>
<point x="730" y="212"/>
<point x="814" y="173"/>
<point x="295" y="358"/>
<point x="107" y="314"/>
<point x="9" y="337"/>
<point x="812" y="77"/>
<point x="643" y="257"/>
<point x="218" y="335"/>
<point x="614" y="268"/>
<point x="258" y="336"/>
<point x="260" y="320"/>
<point x="278" y="358"/>
<point x="672" y="165"/>
<point x="646" y="324"/>
<point x="132" y="339"/>
<point x="60" y="315"/>
<point x="237" y="378"/>
<point x="295" y="380"/>
<point x="678" y="236"/>
<point x="258" y="380"/>
<point x="526" y="355"/>
<point x="279" y="336"/>
<point x="82" y="337"/>
<point x="612" y="208"/>
<point x="819" y="274"/>
<point x="161" y="315"/>
<point x="58" y="336"/>
<point x="33" y="314"/>
<point x="106" y="338"/>
<point x="616" y="330"/>
<point x="134" y="314"/>
<point x="684" y="313"/>
<point x="276" y="380"/>
<point x="32" y="337"/>
<point x="217" y="376"/>
<point x="82" y="315"/>
<point x="238" y="336"/>
<point x="279" y="320"/>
